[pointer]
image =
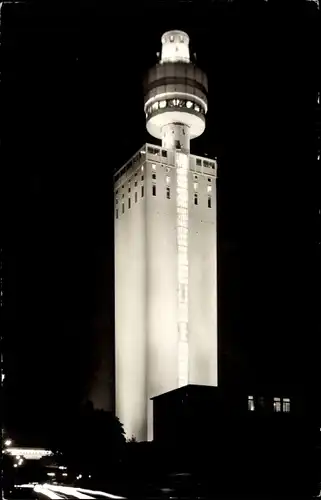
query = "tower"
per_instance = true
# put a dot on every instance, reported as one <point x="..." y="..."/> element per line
<point x="165" y="247"/>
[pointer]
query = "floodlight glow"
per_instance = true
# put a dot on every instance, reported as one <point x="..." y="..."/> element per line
<point x="8" y="442"/>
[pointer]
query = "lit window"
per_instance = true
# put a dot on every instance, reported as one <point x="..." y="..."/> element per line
<point x="168" y="179"/>
<point x="167" y="169"/>
<point x="195" y="185"/>
<point x="154" y="177"/>
<point x="116" y="213"/>
<point x="277" y="404"/>
<point x="189" y="104"/>
<point x="209" y="189"/>
<point x="168" y="193"/>
<point x="171" y="38"/>
<point x="286" y="405"/>
<point x="142" y="191"/>
<point x="154" y="189"/>
<point x="153" y="166"/>
<point x="198" y="161"/>
<point x="155" y="106"/>
<point x="142" y="168"/>
<point x="209" y="202"/>
<point x="128" y="202"/>
<point x="123" y="208"/>
<point x="195" y="199"/>
<point x="162" y="104"/>
<point x="250" y="403"/>
<point x="197" y="108"/>
<point x="135" y="196"/>
<point x="318" y="157"/>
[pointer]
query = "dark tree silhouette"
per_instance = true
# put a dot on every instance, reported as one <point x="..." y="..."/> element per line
<point x="91" y="441"/>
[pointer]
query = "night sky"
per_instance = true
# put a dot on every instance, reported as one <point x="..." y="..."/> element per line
<point x="73" y="113"/>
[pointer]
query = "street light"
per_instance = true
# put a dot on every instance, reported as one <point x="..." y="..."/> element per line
<point x="8" y="442"/>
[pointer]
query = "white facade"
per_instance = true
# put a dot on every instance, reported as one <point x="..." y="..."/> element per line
<point x="165" y="305"/>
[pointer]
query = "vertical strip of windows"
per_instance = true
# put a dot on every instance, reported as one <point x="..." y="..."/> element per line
<point x="142" y="191"/>
<point x="181" y="161"/>
<point x="123" y="207"/>
<point x="135" y="196"/>
<point x="128" y="202"/>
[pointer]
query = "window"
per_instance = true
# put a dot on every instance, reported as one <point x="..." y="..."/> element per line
<point x="198" y="162"/>
<point x="168" y="193"/>
<point x="209" y="202"/>
<point x="142" y="168"/>
<point x="142" y="178"/>
<point x="195" y="177"/>
<point x="189" y="104"/>
<point x="116" y="213"/>
<point x="123" y="208"/>
<point x="277" y="404"/>
<point x="195" y="185"/>
<point x="129" y="189"/>
<point x="209" y="180"/>
<point x="154" y="189"/>
<point x="123" y="196"/>
<point x="135" y="183"/>
<point x="197" y="108"/>
<point x="154" y="177"/>
<point x="117" y="191"/>
<point x="178" y="144"/>
<point x="128" y="202"/>
<point x="162" y="104"/>
<point x="142" y="191"/>
<point x="135" y="196"/>
<point x="286" y="405"/>
<point x="116" y="201"/>
<point x="164" y="153"/>
<point x="168" y="179"/>
<point x="195" y="199"/>
<point x="209" y="189"/>
<point x="250" y="403"/>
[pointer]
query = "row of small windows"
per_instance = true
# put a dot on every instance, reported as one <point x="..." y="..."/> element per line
<point x="174" y="103"/>
<point x="279" y="404"/>
<point x="168" y="197"/>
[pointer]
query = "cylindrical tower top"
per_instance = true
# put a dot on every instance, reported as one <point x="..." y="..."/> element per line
<point x="175" y="90"/>
<point x="175" y="47"/>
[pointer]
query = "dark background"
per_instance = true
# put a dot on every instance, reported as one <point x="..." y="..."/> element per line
<point x="72" y="113"/>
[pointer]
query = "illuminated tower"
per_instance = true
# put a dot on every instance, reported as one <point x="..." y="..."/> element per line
<point x="165" y="247"/>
